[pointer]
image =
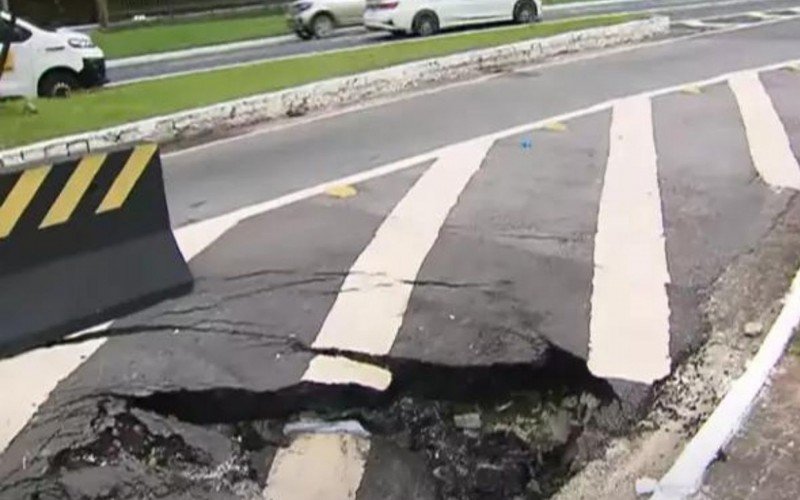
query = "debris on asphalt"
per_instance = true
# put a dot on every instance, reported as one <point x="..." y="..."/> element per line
<point x="646" y="486"/>
<point x="468" y="420"/>
<point x="353" y="427"/>
<point x="753" y="328"/>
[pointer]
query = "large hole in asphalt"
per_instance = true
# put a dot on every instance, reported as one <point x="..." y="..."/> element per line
<point x="501" y="431"/>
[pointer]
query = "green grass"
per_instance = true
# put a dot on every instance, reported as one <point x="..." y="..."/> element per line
<point x="168" y="37"/>
<point x="113" y="106"/>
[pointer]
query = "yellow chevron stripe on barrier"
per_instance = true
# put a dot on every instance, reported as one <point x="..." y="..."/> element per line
<point x="73" y="191"/>
<point x="126" y="179"/>
<point x="20" y="196"/>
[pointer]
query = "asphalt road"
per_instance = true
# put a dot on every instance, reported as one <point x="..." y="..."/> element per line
<point x="676" y="9"/>
<point x="529" y="237"/>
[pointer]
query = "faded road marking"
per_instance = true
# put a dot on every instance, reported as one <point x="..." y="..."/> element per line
<point x="629" y="325"/>
<point x="369" y="309"/>
<point x="769" y="146"/>
<point x="318" y="467"/>
<point x="340" y="370"/>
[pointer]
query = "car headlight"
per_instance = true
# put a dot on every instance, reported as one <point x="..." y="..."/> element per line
<point x="303" y="6"/>
<point x="81" y="43"/>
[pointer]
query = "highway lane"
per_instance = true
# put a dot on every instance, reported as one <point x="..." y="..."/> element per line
<point x="677" y="9"/>
<point x="491" y="258"/>
<point x="231" y="174"/>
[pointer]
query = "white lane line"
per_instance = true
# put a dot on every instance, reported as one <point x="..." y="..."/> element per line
<point x="769" y="145"/>
<point x="686" y="474"/>
<point x="318" y="467"/>
<point x="629" y="325"/>
<point x="340" y="370"/>
<point x="369" y="309"/>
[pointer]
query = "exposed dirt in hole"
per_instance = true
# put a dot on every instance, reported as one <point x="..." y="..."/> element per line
<point x="514" y="432"/>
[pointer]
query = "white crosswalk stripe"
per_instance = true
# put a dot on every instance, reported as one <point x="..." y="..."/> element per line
<point x="318" y="467"/>
<point x="766" y="137"/>
<point x="369" y="309"/>
<point x="629" y="328"/>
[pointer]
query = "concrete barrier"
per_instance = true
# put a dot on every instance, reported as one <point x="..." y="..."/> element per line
<point x="81" y="241"/>
<point x="342" y="91"/>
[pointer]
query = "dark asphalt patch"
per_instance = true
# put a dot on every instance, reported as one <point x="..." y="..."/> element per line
<point x="783" y="88"/>
<point x="261" y="294"/>
<point x="715" y="206"/>
<point x="512" y="269"/>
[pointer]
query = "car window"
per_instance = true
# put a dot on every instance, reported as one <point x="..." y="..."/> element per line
<point x="19" y="34"/>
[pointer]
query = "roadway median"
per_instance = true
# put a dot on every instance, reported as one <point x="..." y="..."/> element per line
<point x="176" y="107"/>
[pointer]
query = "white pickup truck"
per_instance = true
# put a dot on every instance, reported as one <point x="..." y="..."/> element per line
<point x="48" y="63"/>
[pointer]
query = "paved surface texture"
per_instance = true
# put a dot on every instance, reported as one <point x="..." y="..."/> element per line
<point x="467" y="276"/>
<point x="677" y="9"/>
<point x="762" y="461"/>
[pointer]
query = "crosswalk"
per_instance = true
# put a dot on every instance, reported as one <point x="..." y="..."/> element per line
<point x="599" y="237"/>
<point x="733" y="20"/>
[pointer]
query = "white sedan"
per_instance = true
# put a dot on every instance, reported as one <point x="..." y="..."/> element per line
<point x="426" y="17"/>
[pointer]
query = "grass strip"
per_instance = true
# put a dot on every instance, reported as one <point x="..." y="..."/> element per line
<point x="152" y="39"/>
<point x="117" y="105"/>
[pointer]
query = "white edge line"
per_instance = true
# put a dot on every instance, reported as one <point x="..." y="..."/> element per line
<point x="686" y="474"/>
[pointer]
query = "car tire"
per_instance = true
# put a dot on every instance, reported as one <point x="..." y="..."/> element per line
<point x="59" y="84"/>
<point x="525" y="12"/>
<point x="304" y="34"/>
<point x="322" y="25"/>
<point x="425" y="24"/>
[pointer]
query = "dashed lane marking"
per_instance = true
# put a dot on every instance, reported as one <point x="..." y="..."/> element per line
<point x="629" y="325"/>
<point x="769" y="145"/>
<point x="318" y="467"/>
<point x="369" y="309"/>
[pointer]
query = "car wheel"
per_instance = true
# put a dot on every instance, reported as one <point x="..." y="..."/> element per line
<point x="58" y="84"/>
<point x="525" y="12"/>
<point x="304" y="34"/>
<point x="322" y="25"/>
<point x="426" y="24"/>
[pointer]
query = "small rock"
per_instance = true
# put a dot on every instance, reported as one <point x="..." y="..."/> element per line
<point x="753" y="329"/>
<point x="468" y="421"/>
<point x="533" y="487"/>
<point x="646" y="486"/>
<point x="353" y="427"/>
<point x="559" y="426"/>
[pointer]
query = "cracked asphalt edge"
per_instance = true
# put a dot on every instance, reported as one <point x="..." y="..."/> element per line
<point x="751" y="289"/>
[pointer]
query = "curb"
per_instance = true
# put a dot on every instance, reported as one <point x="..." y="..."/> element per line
<point x="336" y="92"/>
<point x="686" y="475"/>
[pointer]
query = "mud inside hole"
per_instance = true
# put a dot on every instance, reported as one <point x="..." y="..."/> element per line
<point x="514" y="432"/>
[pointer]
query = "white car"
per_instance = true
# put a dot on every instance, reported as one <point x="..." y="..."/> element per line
<point x="318" y="18"/>
<point x="48" y="63"/>
<point x="426" y="17"/>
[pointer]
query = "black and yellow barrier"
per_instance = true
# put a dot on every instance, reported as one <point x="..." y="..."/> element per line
<point x="82" y="241"/>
